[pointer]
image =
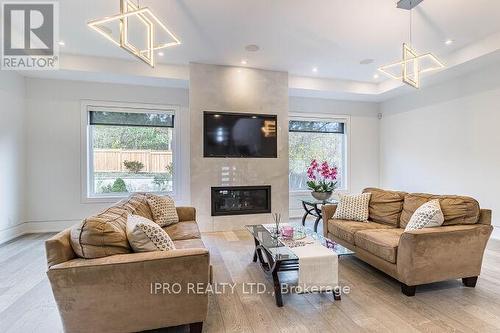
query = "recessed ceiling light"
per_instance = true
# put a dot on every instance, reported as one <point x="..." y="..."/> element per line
<point x="315" y="69"/>
<point x="244" y="62"/>
<point x="161" y="54"/>
<point x="366" y="61"/>
<point x="61" y="43"/>
<point x="375" y="76"/>
<point x="252" y="48"/>
<point x="449" y="41"/>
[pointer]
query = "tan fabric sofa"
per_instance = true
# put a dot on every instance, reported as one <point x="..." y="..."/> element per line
<point x="451" y="251"/>
<point x="118" y="292"/>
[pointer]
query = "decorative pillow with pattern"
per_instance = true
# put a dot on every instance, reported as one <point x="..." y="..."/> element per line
<point x="163" y="209"/>
<point x="145" y="236"/>
<point x="353" y="207"/>
<point x="426" y="216"/>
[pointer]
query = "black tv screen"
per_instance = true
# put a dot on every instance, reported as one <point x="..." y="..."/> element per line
<point x="239" y="135"/>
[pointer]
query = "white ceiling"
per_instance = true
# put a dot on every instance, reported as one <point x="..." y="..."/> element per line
<point x="294" y="35"/>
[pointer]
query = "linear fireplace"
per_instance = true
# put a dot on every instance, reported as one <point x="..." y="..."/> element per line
<point x="238" y="200"/>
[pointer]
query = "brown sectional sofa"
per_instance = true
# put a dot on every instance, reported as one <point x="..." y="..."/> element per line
<point x="451" y="251"/>
<point x="101" y="286"/>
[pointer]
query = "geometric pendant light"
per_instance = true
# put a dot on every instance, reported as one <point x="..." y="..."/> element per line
<point x="151" y="23"/>
<point x="413" y="64"/>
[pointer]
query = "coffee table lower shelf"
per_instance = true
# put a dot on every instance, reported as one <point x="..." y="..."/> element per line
<point x="272" y="266"/>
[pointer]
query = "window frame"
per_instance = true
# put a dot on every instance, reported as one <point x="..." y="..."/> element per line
<point x="86" y="168"/>
<point x="302" y="116"/>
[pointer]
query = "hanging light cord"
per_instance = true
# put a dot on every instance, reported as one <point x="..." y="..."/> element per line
<point x="411" y="9"/>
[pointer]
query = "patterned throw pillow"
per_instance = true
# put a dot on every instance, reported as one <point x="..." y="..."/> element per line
<point x="145" y="236"/>
<point x="426" y="216"/>
<point x="353" y="207"/>
<point x="163" y="209"/>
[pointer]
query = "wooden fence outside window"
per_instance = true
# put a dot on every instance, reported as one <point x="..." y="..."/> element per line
<point x="111" y="160"/>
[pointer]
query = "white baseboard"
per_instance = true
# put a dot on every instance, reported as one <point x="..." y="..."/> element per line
<point x="12" y="232"/>
<point x="34" y="227"/>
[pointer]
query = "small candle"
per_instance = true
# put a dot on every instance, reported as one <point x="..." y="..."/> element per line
<point x="287" y="231"/>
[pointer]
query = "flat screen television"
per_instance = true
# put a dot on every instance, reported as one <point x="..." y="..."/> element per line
<point x="239" y="135"/>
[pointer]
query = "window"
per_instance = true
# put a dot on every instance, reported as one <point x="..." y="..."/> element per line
<point x="129" y="149"/>
<point x="320" y="138"/>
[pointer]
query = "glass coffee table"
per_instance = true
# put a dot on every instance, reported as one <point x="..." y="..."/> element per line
<point x="274" y="256"/>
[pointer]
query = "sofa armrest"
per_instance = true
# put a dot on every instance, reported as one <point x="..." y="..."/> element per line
<point x="485" y="216"/>
<point x="441" y="253"/>
<point x="327" y="212"/>
<point x="58" y="248"/>
<point x="132" y="292"/>
<point x="186" y="213"/>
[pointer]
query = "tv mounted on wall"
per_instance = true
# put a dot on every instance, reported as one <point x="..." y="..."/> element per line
<point x="239" y="135"/>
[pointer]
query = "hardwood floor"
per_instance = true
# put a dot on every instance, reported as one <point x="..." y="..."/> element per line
<point x="374" y="304"/>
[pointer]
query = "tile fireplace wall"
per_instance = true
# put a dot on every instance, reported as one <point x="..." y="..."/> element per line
<point x="235" y="89"/>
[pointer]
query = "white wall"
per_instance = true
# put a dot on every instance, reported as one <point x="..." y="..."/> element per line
<point x="363" y="136"/>
<point x="53" y="198"/>
<point x="445" y="139"/>
<point x="12" y="161"/>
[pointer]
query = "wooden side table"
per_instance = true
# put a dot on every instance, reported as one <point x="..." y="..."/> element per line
<point x="313" y="207"/>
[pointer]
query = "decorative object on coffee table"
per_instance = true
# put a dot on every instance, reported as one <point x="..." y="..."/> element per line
<point x="287" y="232"/>
<point x="313" y="207"/>
<point x="322" y="179"/>
<point x="277" y="220"/>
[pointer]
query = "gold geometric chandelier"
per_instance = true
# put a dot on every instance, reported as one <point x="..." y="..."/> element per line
<point x="413" y="64"/>
<point x="128" y="10"/>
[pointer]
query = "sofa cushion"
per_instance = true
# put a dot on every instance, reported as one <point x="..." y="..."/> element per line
<point x="189" y="244"/>
<point x="382" y="243"/>
<point x="385" y="206"/>
<point x="101" y="235"/>
<point x="456" y="209"/>
<point x="137" y="204"/>
<point x="183" y="230"/>
<point x="345" y="229"/>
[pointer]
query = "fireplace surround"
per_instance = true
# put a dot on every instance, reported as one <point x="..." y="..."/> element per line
<point x="240" y="200"/>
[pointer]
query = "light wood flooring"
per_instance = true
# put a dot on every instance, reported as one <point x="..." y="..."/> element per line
<point x="375" y="303"/>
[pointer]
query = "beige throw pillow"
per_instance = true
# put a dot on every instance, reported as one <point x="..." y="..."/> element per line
<point x="426" y="216"/>
<point x="163" y="209"/>
<point x="353" y="207"/>
<point x="145" y="236"/>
